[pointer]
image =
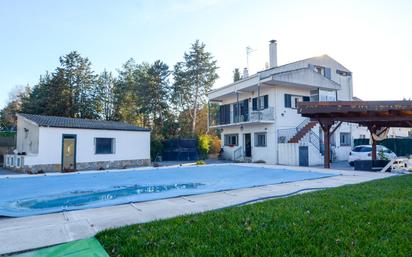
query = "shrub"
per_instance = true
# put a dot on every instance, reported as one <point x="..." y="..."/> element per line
<point x="200" y="162"/>
<point x="208" y="144"/>
<point x="382" y="156"/>
<point x="204" y="145"/>
<point x="156" y="147"/>
<point x="215" y="144"/>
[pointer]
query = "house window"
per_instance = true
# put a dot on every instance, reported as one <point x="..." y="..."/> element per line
<point x="345" y="139"/>
<point x="263" y="103"/>
<point x="104" y="145"/>
<point x="324" y="71"/>
<point x="224" y="114"/>
<point x="243" y="107"/>
<point x="260" y="139"/>
<point x="231" y="139"/>
<point x="320" y="95"/>
<point x="320" y="70"/>
<point x="291" y="101"/>
<point x="343" y="73"/>
<point x="327" y="95"/>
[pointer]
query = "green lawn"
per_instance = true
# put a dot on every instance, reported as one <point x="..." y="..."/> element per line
<point x="369" y="219"/>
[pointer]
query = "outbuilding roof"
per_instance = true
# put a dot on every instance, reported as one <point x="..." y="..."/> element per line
<point x="64" y="122"/>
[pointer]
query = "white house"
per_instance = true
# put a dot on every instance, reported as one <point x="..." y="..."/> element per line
<point x="258" y="119"/>
<point x="363" y="132"/>
<point x="50" y="143"/>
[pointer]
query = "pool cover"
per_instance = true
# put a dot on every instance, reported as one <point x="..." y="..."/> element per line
<point x="25" y="196"/>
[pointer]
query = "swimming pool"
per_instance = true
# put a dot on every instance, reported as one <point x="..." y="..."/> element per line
<point x="33" y="195"/>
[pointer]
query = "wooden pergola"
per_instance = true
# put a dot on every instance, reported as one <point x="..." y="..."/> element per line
<point x="377" y="116"/>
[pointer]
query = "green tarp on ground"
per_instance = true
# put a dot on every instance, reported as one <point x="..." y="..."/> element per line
<point x="82" y="248"/>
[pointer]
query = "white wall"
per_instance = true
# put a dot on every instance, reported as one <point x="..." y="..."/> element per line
<point x="288" y="117"/>
<point x="27" y="136"/>
<point x="399" y="132"/>
<point x="363" y="132"/>
<point x="130" y="145"/>
<point x="267" y="154"/>
<point x="346" y="82"/>
<point x="315" y="157"/>
<point x="289" y="154"/>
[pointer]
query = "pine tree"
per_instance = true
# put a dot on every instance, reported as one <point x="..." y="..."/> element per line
<point x="105" y="95"/>
<point x="126" y="100"/>
<point x="78" y="82"/>
<point x="236" y="75"/>
<point x="194" y="77"/>
<point x="155" y="89"/>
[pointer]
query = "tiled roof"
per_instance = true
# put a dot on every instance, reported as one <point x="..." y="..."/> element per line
<point x="63" y="122"/>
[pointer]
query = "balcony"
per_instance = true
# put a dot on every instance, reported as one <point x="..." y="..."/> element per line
<point x="224" y="118"/>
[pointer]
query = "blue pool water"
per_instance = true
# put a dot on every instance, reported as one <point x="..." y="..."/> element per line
<point x="34" y="195"/>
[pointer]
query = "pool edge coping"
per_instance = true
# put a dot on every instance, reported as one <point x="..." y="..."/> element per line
<point x="271" y="166"/>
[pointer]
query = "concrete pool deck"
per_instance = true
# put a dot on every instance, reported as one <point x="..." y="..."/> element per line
<point x="21" y="234"/>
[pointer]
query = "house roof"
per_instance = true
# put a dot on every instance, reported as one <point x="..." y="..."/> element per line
<point x="284" y="71"/>
<point x="64" y="122"/>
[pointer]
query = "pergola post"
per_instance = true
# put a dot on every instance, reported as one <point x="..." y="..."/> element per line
<point x="372" y="130"/>
<point x="326" y="126"/>
<point x="373" y="149"/>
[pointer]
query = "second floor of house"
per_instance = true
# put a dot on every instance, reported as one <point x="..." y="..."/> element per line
<point x="272" y="95"/>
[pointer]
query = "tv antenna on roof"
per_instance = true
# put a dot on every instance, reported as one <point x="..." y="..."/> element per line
<point x="249" y="50"/>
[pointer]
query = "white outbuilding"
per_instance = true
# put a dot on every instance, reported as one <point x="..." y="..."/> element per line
<point x="51" y="143"/>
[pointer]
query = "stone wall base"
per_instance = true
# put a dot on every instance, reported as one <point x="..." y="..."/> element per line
<point x="101" y="165"/>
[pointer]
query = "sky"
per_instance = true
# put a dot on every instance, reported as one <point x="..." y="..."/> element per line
<point x="373" y="39"/>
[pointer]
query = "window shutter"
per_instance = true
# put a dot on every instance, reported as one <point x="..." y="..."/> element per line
<point x="306" y="99"/>
<point x="221" y="114"/>
<point x="254" y="104"/>
<point x="266" y="101"/>
<point x="328" y="73"/>
<point x="288" y="101"/>
<point x="245" y="107"/>
<point x="224" y="114"/>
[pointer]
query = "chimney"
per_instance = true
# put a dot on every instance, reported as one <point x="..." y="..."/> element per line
<point x="245" y="73"/>
<point x="273" y="54"/>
